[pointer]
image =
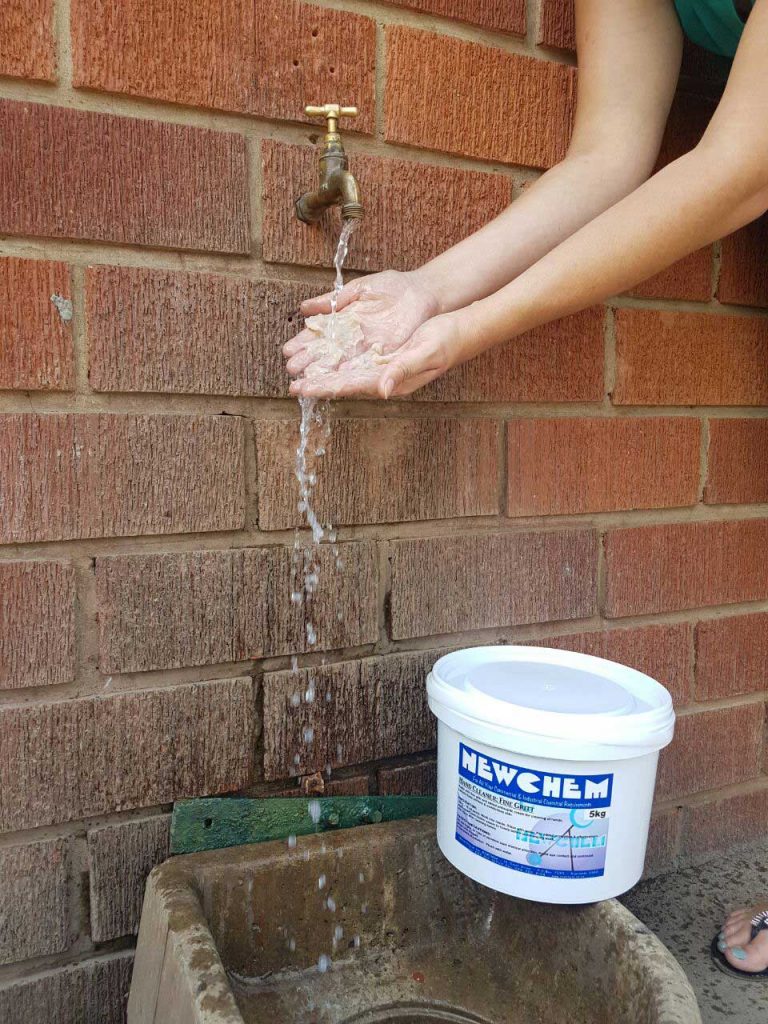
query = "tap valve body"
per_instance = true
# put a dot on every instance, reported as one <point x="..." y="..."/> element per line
<point x="338" y="186"/>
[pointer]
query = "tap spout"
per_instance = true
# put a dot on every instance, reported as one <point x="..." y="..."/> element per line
<point x="337" y="188"/>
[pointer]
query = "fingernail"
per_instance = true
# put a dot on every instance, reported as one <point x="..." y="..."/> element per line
<point x="738" y="953"/>
<point x="722" y="945"/>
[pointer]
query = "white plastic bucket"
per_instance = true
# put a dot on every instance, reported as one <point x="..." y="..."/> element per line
<point x="546" y="769"/>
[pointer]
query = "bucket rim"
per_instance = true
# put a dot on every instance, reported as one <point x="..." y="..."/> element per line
<point x="642" y="729"/>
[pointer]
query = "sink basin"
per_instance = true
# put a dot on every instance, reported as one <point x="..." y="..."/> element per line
<point x="241" y="936"/>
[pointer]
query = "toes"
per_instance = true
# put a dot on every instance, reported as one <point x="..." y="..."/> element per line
<point x="738" y="935"/>
<point x="750" y="957"/>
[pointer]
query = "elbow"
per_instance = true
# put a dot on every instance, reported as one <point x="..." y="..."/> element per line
<point x="621" y="168"/>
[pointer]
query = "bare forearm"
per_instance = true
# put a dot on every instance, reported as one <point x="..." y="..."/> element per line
<point x="564" y="199"/>
<point x="688" y="204"/>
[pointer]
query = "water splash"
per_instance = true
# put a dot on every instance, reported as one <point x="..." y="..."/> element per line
<point x="314" y="433"/>
<point x="315" y="420"/>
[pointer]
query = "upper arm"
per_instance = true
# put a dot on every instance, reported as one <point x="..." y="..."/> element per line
<point x="738" y="131"/>
<point x="629" y="62"/>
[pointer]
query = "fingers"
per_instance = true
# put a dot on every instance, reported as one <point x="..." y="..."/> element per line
<point x="338" y="385"/>
<point x="290" y="348"/>
<point x="304" y="357"/>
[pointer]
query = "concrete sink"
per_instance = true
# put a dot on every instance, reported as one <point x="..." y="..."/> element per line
<point x="236" y="937"/>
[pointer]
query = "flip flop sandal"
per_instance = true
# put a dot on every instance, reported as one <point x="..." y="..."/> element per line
<point x="759" y="923"/>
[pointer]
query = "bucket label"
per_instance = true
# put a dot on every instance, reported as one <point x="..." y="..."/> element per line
<point x="540" y="823"/>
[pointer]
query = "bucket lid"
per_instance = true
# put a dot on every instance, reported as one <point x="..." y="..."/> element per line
<point x="542" y="701"/>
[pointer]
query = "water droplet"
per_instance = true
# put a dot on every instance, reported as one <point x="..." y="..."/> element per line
<point x="315" y="810"/>
<point x="331" y="903"/>
<point x="323" y="963"/>
<point x="356" y="941"/>
<point x="295" y="699"/>
<point x="361" y="877"/>
<point x="338" y="933"/>
<point x="321" y="882"/>
<point x="292" y="945"/>
<point x="291" y="842"/>
<point x="308" y="734"/>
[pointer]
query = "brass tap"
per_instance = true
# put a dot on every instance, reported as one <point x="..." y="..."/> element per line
<point x="338" y="186"/>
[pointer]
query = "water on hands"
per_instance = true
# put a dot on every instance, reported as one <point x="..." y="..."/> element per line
<point x="314" y="432"/>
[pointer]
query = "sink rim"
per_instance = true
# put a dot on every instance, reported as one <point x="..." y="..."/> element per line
<point x="173" y="920"/>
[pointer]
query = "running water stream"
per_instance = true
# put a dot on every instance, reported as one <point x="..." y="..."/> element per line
<point x="314" y="433"/>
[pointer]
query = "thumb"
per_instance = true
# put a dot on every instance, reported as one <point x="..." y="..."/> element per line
<point x="322" y="303"/>
<point x="399" y="371"/>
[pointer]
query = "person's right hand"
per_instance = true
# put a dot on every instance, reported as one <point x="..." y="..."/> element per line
<point x="390" y="307"/>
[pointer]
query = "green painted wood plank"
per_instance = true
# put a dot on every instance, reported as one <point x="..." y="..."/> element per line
<point x="217" y="822"/>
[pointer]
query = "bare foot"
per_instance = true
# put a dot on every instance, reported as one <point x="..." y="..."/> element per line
<point x="735" y="941"/>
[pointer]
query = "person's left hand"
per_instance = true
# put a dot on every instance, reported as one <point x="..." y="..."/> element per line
<point x="432" y="349"/>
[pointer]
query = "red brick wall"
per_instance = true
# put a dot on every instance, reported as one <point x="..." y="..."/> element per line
<point x="600" y="484"/>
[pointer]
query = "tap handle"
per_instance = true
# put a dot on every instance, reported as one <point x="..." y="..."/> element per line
<point x="331" y="112"/>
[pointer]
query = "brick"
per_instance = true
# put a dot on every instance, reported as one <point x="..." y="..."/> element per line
<point x="37" y="624"/>
<point x="685" y="565"/>
<point x="121" y="857"/>
<point x="77" y="174"/>
<point x="449" y="584"/>
<point x="212" y="607"/>
<point x="79" y="475"/>
<point x="689" y="278"/>
<point x="661" y="852"/>
<point x="168" y="331"/>
<point x="742" y="266"/>
<point x="708" y="828"/>
<point x="662" y="652"/>
<point x="34" y="890"/>
<point x="90" y="992"/>
<point x="65" y="760"/>
<point x="409" y="780"/>
<point x="403" y="225"/>
<point x="673" y="358"/>
<point x="731" y="656"/>
<point x="27" y="45"/>
<point x="509" y="108"/>
<point x="36" y="352"/>
<point x="394" y="470"/>
<point x="263" y="59"/>
<point x="357" y="785"/>
<point x="501" y="15"/>
<point x="738" y="462"/>
<point x="567" y="466"/>
<point x="711" y="749"/>
<point x="688" y="119"/>
<point x="706" y="70"/>
<point x="557" y="24"/>
<point x="558" y="362"/>
<point x="358" y="711"/>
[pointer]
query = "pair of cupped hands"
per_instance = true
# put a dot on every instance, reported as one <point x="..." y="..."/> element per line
<point x="414" y="343"/>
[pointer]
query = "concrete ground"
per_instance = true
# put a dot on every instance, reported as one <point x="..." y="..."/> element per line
<point x="686" y="909"/>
